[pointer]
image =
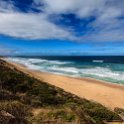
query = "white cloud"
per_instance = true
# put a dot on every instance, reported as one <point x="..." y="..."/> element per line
<point x="6" y="6"/>
<point x="6" y="51"/>
<point x="102" y="36"/>
<point x="30" y="26"/>
<point x="82" y="8"/>
<point x="107" y="26"/>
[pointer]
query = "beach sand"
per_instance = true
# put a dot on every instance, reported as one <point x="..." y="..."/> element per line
<point x="108" y="94"/>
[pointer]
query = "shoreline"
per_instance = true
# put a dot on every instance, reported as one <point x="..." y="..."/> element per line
<point x="108" y="94"/>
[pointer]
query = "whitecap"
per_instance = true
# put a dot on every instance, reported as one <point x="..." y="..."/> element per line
<point x="66" y="68"/>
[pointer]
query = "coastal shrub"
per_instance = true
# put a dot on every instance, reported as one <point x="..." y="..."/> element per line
<point x="102" y="114"/>
<point x="16" y="109"/>
<point x="119" y="111"/>
<point x="66" y="116"/>
<point x="7" y="95"/>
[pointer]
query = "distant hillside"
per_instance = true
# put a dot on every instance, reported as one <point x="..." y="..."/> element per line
<point x="26" y="100"/>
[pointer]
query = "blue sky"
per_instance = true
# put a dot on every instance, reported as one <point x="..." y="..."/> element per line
<point x="61" y="27"/>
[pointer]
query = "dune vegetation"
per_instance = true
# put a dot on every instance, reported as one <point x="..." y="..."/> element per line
<point x="26" y="100"/>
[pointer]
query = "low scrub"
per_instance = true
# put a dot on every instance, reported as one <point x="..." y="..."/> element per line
<point x="13" y="111"/>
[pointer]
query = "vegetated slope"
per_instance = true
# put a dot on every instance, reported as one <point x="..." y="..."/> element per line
<point x="24" y="99"/>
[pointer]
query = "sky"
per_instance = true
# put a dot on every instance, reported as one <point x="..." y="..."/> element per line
<point x="61" y="27"/>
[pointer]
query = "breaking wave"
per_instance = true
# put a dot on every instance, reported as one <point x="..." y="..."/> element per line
<point x="70" y="68"/>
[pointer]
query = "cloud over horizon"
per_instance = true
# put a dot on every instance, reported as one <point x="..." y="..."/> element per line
<point x="6" y="50"/>
<point x="75" y="20"/>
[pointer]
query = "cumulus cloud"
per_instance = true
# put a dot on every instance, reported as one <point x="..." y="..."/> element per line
<point x="107" y="26"/>
<point x="82" y="8"/>
<point x="30" y="26"/>
<point x="6" y="6"/>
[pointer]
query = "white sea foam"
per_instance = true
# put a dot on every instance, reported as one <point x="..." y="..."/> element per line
<point x="65" y="69"/>
<point x="98" y="61"/>
<point x="104" y="73"/>
<point x="37" y="60"/>
<point x="98" y="71"/>
<point x="60" y="68"/>
<point x="46" y="61"/>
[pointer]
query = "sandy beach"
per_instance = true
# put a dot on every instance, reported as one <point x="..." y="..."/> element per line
<point x="108" y="94"/>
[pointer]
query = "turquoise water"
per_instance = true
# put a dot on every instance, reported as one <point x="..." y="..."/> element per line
<point x="111" y="72"/>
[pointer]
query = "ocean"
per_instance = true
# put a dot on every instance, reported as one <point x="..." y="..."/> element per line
<point x="106" y="68"/>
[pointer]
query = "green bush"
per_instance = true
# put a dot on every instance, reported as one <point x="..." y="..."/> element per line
<point x="103" y="114"/>
<point x="64" y="115"/>
<point x="7" y="95"/>
<point x="16" y="109"/>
